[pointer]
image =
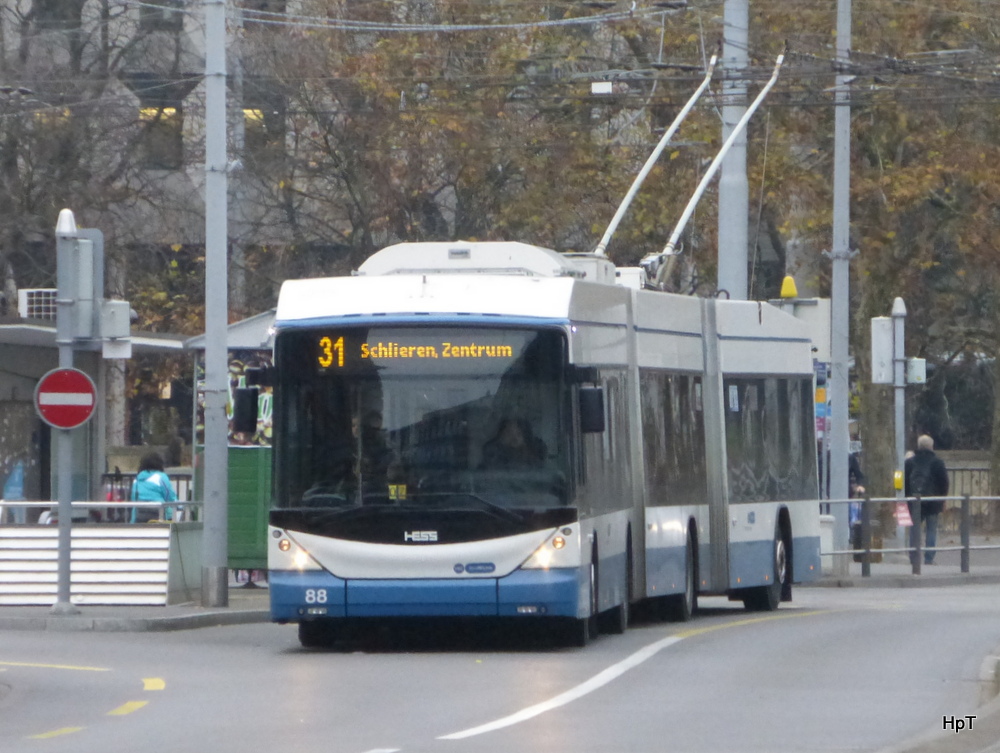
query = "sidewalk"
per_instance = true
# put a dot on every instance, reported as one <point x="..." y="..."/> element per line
<point x="251" y="604"/>
<point x="895" y="571"/>
<point x="246" y="605"/>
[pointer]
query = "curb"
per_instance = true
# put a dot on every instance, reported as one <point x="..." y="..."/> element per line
<point x="197" y="620"/>
<point x="903" y="581"/>
<point x="76" y="623"/>
<point x="978" y="739"/>
<point x="989" y="678"/>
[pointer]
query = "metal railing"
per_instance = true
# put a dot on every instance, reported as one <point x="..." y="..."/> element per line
<point x="963" y="504"/>
<point x="13" y="512"/>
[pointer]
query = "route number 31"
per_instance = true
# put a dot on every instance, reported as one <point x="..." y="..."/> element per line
<point x="331" y="351"/>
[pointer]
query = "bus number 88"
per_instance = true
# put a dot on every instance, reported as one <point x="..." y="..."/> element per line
<point x="315" y="596"/>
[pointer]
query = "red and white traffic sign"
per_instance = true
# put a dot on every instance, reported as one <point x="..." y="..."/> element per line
<point x="65" y="398"/>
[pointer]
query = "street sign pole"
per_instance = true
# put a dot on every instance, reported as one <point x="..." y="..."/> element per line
<point x="66" y="237"/>
<point x="65" y="399"/>
<point x="64" y="459"/>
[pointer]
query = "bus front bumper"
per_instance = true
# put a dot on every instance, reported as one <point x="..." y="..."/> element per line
<point x="316" y="594"/>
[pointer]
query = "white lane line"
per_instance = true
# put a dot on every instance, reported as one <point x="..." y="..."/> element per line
<point x="597" y="681"/>
<point x="615" y="670"/>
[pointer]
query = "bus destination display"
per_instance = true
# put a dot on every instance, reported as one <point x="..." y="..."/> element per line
<point x="337" y="352"/>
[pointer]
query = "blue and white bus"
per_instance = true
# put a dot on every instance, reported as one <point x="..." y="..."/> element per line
<point x="495" y="429"/>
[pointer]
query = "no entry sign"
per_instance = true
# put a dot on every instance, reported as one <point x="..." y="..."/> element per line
<point x="65" y="398"/>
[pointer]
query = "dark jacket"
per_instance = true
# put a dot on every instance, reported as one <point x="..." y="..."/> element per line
<point x="855" y="477"/>
<point x="925" y="462"/>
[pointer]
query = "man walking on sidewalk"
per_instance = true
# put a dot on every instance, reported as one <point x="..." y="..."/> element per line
<point x="926" y="476"/>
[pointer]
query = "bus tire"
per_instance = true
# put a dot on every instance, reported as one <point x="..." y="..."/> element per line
<point x="681" y="607"/>
<point x="580" y="632"/>
<point x="766" y="598"/>
<point x="316" y="634"/>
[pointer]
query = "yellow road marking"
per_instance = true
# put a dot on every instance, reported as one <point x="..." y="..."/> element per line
<point x="749" y="621"/>
<point x="55" y="733"/>
<point x="53" y="666"/>
<point x="127" y="708"/>
<point x="148" y="683"/>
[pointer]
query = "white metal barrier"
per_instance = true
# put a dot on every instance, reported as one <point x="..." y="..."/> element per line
<point x="156" y="563"/>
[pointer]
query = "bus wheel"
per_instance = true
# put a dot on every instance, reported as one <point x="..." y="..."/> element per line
<point x="579" y="632"/>
<point x="681" y="607"/>
<point x="316" y="634"/>
<point x="766" y="598"/>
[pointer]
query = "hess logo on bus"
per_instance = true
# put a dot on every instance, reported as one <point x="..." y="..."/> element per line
<point x="420" y="537"/>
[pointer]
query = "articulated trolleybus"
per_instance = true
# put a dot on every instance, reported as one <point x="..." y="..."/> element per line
<point x="499" y="430"/>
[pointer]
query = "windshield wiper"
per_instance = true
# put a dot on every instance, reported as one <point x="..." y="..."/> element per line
<point x="491" y="507"/>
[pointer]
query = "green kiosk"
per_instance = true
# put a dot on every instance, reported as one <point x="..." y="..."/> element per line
<point x="249" y="345"/>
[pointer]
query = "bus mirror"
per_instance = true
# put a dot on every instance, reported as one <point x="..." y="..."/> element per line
<point x="591" y="410"/>
<point x="582" y="374"/>
<point x="259" y="376"/>
<point x="245" y="410"/>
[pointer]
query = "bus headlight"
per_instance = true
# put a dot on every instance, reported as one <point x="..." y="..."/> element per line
<point x="283" y="553"/>
<point x="561" y="549"/>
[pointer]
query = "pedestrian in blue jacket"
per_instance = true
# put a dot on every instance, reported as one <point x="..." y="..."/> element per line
<point x="152" y="485"/>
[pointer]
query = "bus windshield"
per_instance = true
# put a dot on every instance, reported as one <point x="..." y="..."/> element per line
<point x="422" y="417"/>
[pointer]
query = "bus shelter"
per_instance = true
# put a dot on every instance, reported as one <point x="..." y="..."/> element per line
<point x="249" y="457"/>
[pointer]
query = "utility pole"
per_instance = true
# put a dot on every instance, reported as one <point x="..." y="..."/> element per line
<point x="891" y="366"/>
<point x="215" y="554"/>
<point x="840" y="292"/>
<point x="734" y="201"/>
<point x="899" y="383"/>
